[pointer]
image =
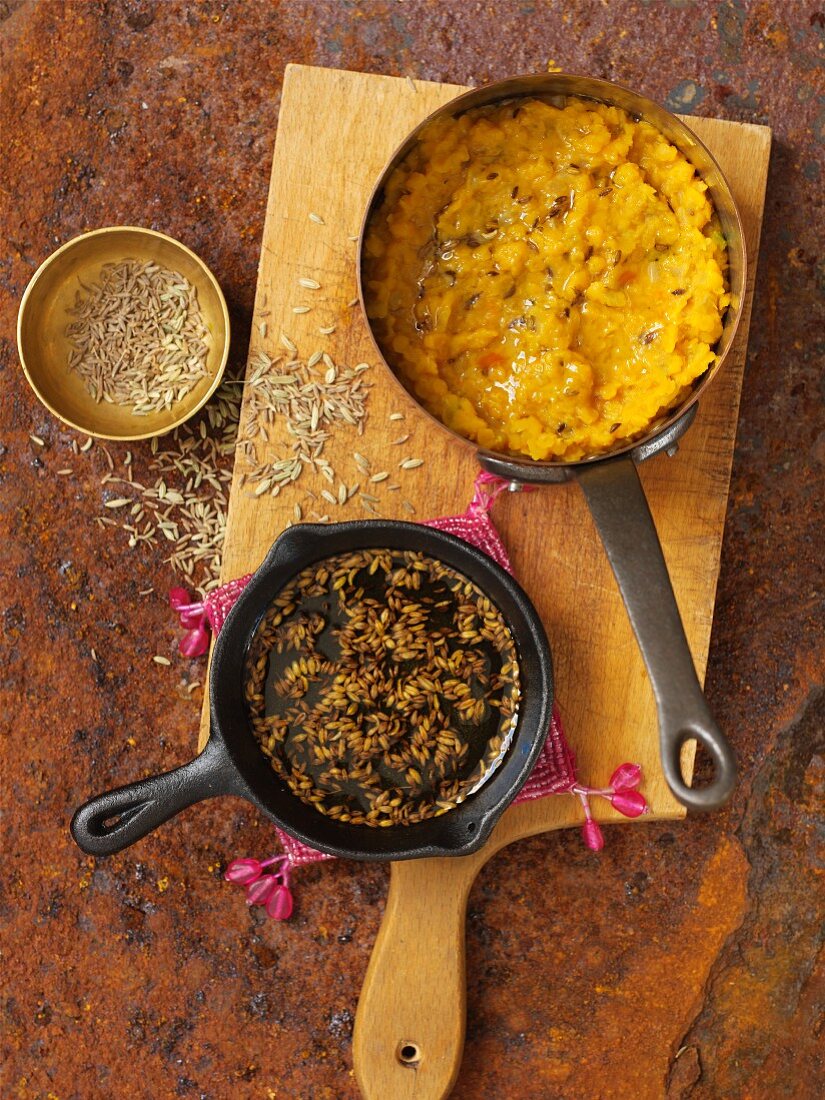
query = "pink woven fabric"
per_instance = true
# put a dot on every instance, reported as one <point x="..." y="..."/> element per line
<point x="554" y="772"/>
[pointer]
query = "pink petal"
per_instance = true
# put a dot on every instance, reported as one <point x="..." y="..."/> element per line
<point x="243" y="871"/>
<point x="279" y="905"/>
<point x="194" y="643"/>
<point x="191" y="619"/>
<point x="593" y="835"/>
<point x="626" y="777"/>
<point x="629" y="803"/>
<point x="259" y="891"/>
<point x="179" y="597"/>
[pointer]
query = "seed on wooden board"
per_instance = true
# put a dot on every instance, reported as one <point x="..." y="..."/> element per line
<point x="317" y="219"/>
<point x="309" y="284"/>
<point x="300" y="309"/>
<point x="287" y="343"/>
<point x="411" y="463"/>
<point x="327" y="330"/>
<point x="396" y="416"/>
<point x="382" y="476"/>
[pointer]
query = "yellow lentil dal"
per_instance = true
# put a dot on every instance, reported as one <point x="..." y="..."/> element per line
<point x="547" y="281"/>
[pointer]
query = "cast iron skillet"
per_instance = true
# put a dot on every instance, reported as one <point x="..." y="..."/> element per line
<point x="232" y="763"/>
<point x="611" y="483"/>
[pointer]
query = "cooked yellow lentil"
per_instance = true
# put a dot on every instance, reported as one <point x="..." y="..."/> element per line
<point x="547" y="281"/>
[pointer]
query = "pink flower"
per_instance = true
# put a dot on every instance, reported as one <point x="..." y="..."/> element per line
<point x="191" y="618"/>
<point x="243" y="871"/>
<point x="195" y="642"/>
<point x="593" y="835"/>
<point x="260" y="891"/>
<point x="279" y="903"/>
<point x="178" y="598"/>
<point x="629" y="803"/>
<point x="626" y="777"/>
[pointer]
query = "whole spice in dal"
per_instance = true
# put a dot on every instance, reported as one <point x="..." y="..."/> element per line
<point x="383" y="686"/>
<point x="138" y="338"/>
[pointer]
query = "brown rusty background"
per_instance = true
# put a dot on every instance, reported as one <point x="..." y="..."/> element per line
<point x="680" y="961"/>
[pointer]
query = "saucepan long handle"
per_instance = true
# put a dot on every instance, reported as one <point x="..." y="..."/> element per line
<point x="116" y="819"/>
<point x="619" y="507"/>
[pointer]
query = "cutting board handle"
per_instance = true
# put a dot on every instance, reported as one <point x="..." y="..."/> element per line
<point x="409" y="1028"/>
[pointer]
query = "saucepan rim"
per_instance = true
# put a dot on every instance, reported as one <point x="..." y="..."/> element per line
<point x="549" y="85"/>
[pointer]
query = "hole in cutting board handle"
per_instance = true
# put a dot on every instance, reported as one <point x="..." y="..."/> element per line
<point x="408" y="1053"/>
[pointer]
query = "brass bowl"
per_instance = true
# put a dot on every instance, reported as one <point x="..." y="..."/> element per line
<point x="44" y="346"/>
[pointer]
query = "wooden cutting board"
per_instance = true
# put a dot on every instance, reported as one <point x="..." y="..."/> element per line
<point x="336" y="131"/>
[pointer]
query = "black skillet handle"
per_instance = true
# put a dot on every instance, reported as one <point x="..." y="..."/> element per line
<point x="118" y="818"/>
<point x="619" y="507"/>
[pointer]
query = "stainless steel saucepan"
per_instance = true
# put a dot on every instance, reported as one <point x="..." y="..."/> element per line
<point x="611" y="482"/>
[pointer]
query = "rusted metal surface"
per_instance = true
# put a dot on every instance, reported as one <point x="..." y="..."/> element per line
<point x="678" y="962"/>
